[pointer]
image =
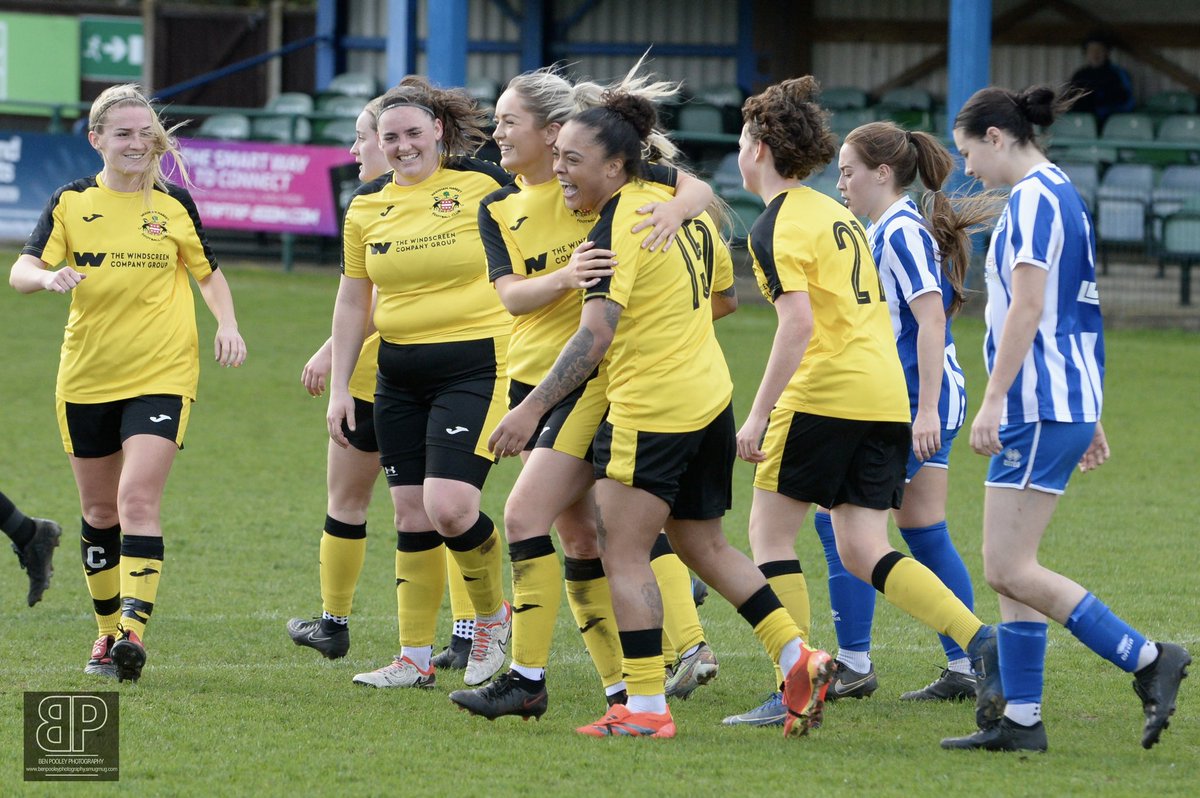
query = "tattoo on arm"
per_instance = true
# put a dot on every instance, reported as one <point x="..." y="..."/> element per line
<point x="730" y="292"/>
<point x="576" y="362"/>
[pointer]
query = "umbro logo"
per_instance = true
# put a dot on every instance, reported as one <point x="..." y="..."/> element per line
<point x="520" y="222"/>
<point x="144" y="572"/>
<point x="387" y="210"/>
<point x="456" y="430"/>
<point x="159" y="419"/>
<point x="523" y="607"/>
<point x="93" y="217"/>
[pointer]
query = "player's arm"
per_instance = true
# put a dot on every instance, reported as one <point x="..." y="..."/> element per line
<point x="30" y="274"/>
<point x="724" y="302"/>
<point x="578" y="359"/>
<point x="315" y="373"/>
<point x="588" y="265"/>
<point x="692" y="197"/>
<point x="228" y="347"/>
<point x="1020" y="328"/>
<point x="792" y="334"/>
<point x="931" y="356"/>
<point x="350" y="312"/>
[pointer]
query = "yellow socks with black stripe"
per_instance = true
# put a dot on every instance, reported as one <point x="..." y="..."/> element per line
<point x="420" y="583"/>
<point x="590" y="601"/>
<point x="343" y="548"/>
<point x="915" y="589"/>
<point x="537" y="595"/>
<point x="645" y="676"/>
<point x="100" y="550"/>
<point x="461" y="609"/>
<point x="141" y="567"/>
<point x="773" y="627"/>
<point x="477" y="552"/>
<point x="786" y="578"/>
<point x="681" y="622"/>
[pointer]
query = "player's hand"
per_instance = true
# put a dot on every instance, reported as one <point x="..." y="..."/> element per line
<point x="63" y="280"/>
<point x="749" y="439"/>
<point x="229" y="349"/>
<point x="513" y="431"/>
<point x="588" y="265"/>
<point x="985" y="429"/>
<point x="341" y="411"/>
<point x="664" y="219"/>
<point x="926" y="434"/>
<point x="316" y="371"/>
<point x="1097" y="453"/>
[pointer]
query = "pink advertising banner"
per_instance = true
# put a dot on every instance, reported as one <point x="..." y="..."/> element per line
<point x="265" y="187"/>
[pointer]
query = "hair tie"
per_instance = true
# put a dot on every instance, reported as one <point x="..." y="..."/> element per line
<point x="908" y="136"/>
<point x="407" y="104"/>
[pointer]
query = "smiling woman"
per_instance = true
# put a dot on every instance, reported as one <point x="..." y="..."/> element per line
<point x="130" y="362"/>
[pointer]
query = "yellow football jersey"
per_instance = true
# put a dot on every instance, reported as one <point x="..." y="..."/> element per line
<point x="806" y="241"/>
<point x="420" y="247"/>
<point x="131" y="330"/>
<point x="362" y="380"/>
<point x="666" y="370"/>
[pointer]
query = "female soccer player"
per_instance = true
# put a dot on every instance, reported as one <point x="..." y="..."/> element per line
<point x="130" y="359"/>
<point x="33" y="541"/>
<point x="922" y="261"/>
<point x="351" y="474"/>
<point x="830" y="421"/>
<point x="413" y="236"/>
<point x="1040" y="416"/>
<point x="664" y="454"/>
<point x="530" y="235"/>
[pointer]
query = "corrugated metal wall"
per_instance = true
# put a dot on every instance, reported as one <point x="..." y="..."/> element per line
<point x="864" y="64"/>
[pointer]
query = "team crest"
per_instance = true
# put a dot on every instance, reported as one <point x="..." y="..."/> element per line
<point x="1012" y="458"/>
<point x="446" y="203"/>
<point x="154" y="225"/>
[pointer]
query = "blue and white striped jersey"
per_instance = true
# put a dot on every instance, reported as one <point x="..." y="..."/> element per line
<point x="1046" y="225"/>
<point x="907" y="258"/>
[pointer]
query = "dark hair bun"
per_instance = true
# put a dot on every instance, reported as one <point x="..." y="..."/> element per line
<point x="637" y="111"/>
<point x="1038" y="104"/>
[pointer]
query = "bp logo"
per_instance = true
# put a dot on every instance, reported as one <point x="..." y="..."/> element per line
<point x="446" y="203"/>
<point x="154" y="226"/>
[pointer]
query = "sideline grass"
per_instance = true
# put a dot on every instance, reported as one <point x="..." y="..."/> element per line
<point x="229" y="706"/>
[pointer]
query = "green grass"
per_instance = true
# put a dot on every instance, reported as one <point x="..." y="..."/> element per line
<point x="229" y="706"/>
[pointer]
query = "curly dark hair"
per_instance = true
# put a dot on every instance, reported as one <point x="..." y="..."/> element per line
<point x="463" y="122"/>
<point x="787" y="118"/>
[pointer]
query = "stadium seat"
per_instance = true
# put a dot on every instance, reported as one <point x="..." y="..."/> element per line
<point x="281" y="129"/>
<point x="341" y="105"/>
<point x="1075" y="125"/>
<point x="727" y="176"/>
<point x="1178" y="184"/>
<point x="843" y="121"/>
<point x="1085" y="176"/>
<point x="225" y="127"/>
<point x="1122" y="206"/>
<point x="336" y="131"/>
<point x="699" y="117"/>
<point x="825" y="181"/>
<point x="353" y="84"/>
<point x="1182" y="129"/>
<point x="290" y="102"/>
<point x="722" y="96"/>
<point x="1129" y="127"/>
<point x="1181" y="242"/>
<point x="844" y="98"/>
<point x="1166" y="103"/>
<point x="746" y="209"/>
<point x="911" y="108"/>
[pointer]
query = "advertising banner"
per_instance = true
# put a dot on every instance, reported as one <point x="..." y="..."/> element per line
<point x="261" y="187"/>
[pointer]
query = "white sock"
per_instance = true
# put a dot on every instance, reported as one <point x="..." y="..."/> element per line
<point x="789" y="656"/>
<point x="420" y="655"/>
<point x="1146" y="655"/>
<point x="533" y="674"/>
<point x="1024" y="714"/>
<point x="647" y="703"/>
<point x="495" y="617"/>
<point x="961" y="665"/>
<point x="341" y="620"/>
<point x="690" y="651"/>
<point x="858" y="661"/>
<point x="465" y="629"/>
<point x="613" y="689"/>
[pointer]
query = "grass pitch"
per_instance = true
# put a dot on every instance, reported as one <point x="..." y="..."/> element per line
<point x="229" y="706"/>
